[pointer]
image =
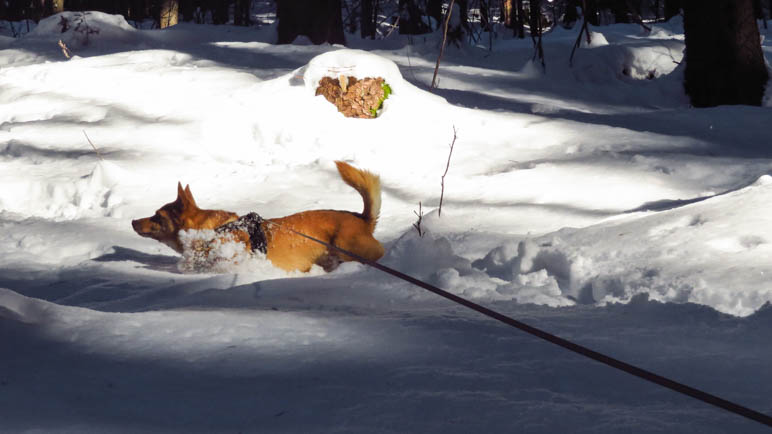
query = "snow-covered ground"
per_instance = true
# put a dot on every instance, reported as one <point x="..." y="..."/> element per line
<point x="590" y="201"/>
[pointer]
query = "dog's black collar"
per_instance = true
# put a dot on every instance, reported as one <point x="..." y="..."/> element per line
<point x="251" y="224"/>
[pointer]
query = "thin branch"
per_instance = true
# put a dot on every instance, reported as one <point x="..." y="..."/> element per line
<point x="579" y="37"/>
<point x="442" y="47"/>
<point x="393" y="27"/>
<point x="447" y="166"/>
<point x="66" y="51"/>
<point x="417" y="225"/>
<point x="99" y="154"/>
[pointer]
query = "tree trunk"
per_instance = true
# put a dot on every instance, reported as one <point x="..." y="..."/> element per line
<point x="121" y="7"/>
<point x="15" y="10"/>
<point x="485" y="20"/>
<point x="367" y="19"/>
<point x="622" y="12"/>
<point x="56" y="6"/>
<point x="592" y="13"/>
<point x="571" y="16"/>
<point x="758" y="11"/>
<point x="672" y="8"/>
<point x="241" y="12"/>
<point x="507" y="13"/>
<point x="410" y="18"/>
<point x="220" y="12"/>
<point x="137" y="10"/>
<point x="187" y="9"/>
<point x="520" y="23"/>
<point x="320" y="20"/>
<point x="724" y="61"/>
<point x="464" y="6"/>
<point x="434" y="10"/>
<point x="169" y="13"/>
<point x="536" y="30"/>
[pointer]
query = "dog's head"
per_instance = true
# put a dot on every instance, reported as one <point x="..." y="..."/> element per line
<point x="183" y="213"/>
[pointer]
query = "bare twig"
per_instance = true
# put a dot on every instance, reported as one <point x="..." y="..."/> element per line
<point x="584" y="29"/>
<point x="66" y="51"/>
<point x="99" y="154"/>
<point x="447" y="166"/>
<point x="536" y="34"/>
<point x="393" y="27"/>
<point x="417" y="225"/>
<point x="638" y="20"/>
<point x="442" y="47"/>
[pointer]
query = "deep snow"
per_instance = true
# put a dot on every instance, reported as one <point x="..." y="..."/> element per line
<point x="590" y="201"/>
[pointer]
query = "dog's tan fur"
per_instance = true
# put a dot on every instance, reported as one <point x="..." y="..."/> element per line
<point x="285" y="248"/>
<point x="182" y="214"/>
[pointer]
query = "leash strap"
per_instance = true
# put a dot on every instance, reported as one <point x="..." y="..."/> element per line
<point x="571" y="346"/>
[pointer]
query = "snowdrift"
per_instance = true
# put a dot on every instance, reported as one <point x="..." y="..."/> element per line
<point x="85" y="29"/>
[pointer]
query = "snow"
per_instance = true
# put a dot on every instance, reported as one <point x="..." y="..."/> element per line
<point x="590" y="201"/>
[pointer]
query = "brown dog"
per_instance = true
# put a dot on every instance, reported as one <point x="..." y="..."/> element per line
<point x="277" y="237"/>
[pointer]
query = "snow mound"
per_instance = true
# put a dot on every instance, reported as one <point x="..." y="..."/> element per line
<point x="604" y="63"/>
<point x="81" y="29"/>
<point x="671" y="29"/>
<point x="597" y="39"/>
<point x="90" y="195"/>
<point x="432" y="258"/>
<point x="700" y="253"/>
<point x="356" y="63"/>
<point x="362" y="64"/>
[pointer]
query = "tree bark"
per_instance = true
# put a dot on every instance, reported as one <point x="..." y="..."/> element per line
<point x="434" y="10"/>
<point x="672" y="8"/>
<point x="571" y="16"/>
<point x="220" y="12"/>
<point x="241" y="12"/>
<point x="169" y="13"/>
<point x="536" y="30"/>
<point x="485" y="20"/>
<point x="410" y="18"/>
<point x="187" y="9"/>
<point x="137" y="10"/>
<point x="507" y="10"/>
<point x="367" y="19"/>
<point x="320" y="20"/>
<point x="724" y="61"/>
<point x="15" y="10"/>
<point x="592" y="13"/>
<point x="520" y="23"/>
<point x="758" y="11"/>
<point x="55" y="6"/>
<point x="622" y="12"/>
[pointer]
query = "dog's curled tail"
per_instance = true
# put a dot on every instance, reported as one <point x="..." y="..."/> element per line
<point x="368" y="185"/>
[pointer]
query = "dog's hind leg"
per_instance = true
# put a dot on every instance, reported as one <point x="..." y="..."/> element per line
<point x="364" y="245"/>
<point x="329" y="261"/>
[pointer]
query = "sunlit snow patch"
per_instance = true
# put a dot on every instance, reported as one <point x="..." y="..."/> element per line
<point x="91" y="195"/>
<point x="713" y="252"/>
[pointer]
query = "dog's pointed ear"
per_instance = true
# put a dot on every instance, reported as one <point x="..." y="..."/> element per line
<point x="180" y="191"/>
<point x="189" y="195"/>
